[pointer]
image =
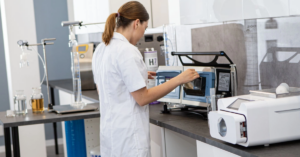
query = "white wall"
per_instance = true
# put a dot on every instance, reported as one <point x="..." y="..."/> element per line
<point x="209" y="11"/>
<point x="18" y="22"/>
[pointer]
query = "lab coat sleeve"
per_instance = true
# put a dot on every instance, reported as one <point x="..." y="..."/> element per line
<point x="132" y="71"/>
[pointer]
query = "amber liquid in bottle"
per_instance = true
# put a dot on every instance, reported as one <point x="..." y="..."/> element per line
<point x="37" y="105"/>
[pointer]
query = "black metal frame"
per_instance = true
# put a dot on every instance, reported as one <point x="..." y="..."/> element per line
<point x="7" y="142"/>
<point x="213" y="63"/>
<point x="54" y="124"/>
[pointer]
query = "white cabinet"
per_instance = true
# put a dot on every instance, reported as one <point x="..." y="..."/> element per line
<point x="228" y="10"/>
<point x="203" y="11"/>
<point x="205" y="150"/>
<point x="93" y="11"/>
<point x="157" y="141"/>
<point x="160" y="13"/>
<point x="294" y="7"/>
<point x="178" y="145"/>
<point x="265" y="8"/>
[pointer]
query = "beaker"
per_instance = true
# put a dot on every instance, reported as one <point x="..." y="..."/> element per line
<point x="20" y="104"/>
<point x="37" y="100"/>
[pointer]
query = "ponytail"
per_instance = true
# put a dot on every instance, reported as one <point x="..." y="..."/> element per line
<point x="110" y="26"/>
<point x="127" y="13"/>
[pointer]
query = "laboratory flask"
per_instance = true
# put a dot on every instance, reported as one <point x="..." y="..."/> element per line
<point x="20" y="103"/>
<point x="37" y="100"/>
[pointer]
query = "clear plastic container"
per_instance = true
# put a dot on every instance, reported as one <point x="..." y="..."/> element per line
<point x="212" y="102"/>
<point x="37" y="100"/>
<point x="20" y="104"/>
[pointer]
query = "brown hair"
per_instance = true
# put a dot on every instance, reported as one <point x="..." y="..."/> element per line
<point x="127" y="13"/>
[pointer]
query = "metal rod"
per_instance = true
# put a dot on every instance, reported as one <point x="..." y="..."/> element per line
<point x="16" y="144"/>
<point x="55" y="138"/>
<point x="7" y="142"/>
<point x="78" y="23"/>
<point x="38" y="44"/>
<point x="196" y="53"/>
<point x="97" y="23"/>
<point x="47" y="81"/>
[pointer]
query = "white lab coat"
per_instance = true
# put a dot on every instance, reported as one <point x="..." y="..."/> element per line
<point x="119" y="70"/>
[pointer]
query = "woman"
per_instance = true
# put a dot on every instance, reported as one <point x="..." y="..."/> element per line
<point x="121" y="77"/>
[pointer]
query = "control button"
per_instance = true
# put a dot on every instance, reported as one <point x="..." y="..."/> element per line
<point x="160" y="38"/>
<point x="82" y="55"/>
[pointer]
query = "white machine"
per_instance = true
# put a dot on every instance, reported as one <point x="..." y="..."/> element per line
<point x="261" y="118"/>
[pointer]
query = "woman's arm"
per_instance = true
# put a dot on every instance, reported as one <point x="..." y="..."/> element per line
<point x="144" y="96"/>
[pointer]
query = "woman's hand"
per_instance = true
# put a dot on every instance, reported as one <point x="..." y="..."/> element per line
<point x="144" y="96"/>
<point x="150" y="74"/>
<point x="187" y="76"/>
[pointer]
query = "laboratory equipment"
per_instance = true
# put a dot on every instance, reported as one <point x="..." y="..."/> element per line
<point x="151" y="60"/>
<point x="86" y="52"/>
<point x="169" y="32"/>
<point x="75" y="62"/>
<point x="219" y="77"/>
<point x="261" y="118"/>
<point x="164" y="74"/>
<point x="20" y="105"/>
<point x="155" y="41"/>
<point x="24" y="62"/>
<point x="37" y="100"/>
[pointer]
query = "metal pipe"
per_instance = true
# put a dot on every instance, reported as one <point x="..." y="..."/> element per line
<point x="97" y="23"/>
<point x="50" y="106"/>
<point x="38" y="44"/>
<point x="78" y="23"/>
<point x="233" y="79"/>
<point x="46" y="72"/>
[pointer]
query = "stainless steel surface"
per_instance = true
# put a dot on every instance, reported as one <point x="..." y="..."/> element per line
<point x="143" y="43"/>
<point x="271" y="93"/>
<point x="70" y="109"/>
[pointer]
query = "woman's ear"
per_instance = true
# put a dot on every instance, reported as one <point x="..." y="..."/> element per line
<point x="136" y="23"/>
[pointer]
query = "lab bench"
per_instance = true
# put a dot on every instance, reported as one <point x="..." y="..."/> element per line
<point x="12" y="123"/>
<point x="172" y="135"/>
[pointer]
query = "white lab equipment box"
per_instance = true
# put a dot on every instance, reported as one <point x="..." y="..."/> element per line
<point x="257" y="119"/>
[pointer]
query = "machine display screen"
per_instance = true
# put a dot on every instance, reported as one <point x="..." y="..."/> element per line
<point x="237" y="103"/>
<point x="82" y="48"/>
<point x="224" y="81"/>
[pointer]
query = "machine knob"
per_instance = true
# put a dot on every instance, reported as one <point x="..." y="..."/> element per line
<point x="160" y="38"/>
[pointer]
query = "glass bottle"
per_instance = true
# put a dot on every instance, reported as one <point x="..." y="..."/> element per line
<point x="20" y="105"/>
<point x="37" y="100"/>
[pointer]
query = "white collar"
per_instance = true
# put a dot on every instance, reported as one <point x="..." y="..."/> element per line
<point x="119" y="36"/>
